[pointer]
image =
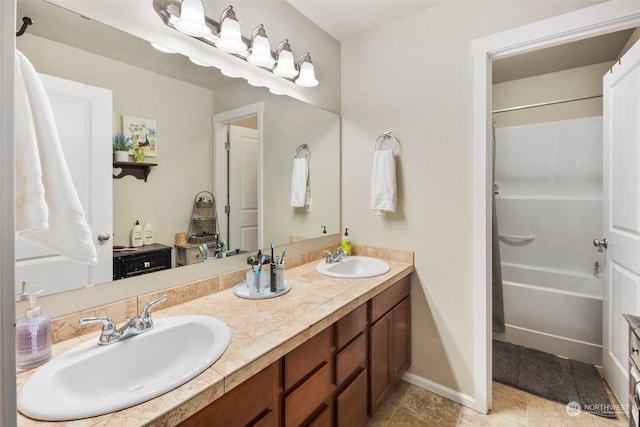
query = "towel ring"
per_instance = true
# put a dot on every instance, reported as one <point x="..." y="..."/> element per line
<point x="300" y="148"/>
<point x="383" y="137"/>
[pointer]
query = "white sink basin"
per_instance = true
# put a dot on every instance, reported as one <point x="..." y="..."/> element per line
<point x="91" y="380"/>
<point x="354" y="267"/>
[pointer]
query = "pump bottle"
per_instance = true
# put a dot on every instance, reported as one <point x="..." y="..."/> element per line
<point x="33" y="334"/>
<point x="346" y="242"/>
<point x="137" y="235"/>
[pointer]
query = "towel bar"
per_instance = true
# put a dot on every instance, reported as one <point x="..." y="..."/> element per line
<point x="385" y="136"/>
<point x="300" y="148"/>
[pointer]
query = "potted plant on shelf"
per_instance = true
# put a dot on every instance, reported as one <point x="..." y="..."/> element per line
<point x="121" y="146"/>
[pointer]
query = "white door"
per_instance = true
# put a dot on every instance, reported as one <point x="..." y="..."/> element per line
<point x="243" y="189"/>
<point x="621" y="203"/>
<point x="83" y="117"/>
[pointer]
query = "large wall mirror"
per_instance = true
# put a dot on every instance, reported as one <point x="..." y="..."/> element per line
<point x="183" y="99"/>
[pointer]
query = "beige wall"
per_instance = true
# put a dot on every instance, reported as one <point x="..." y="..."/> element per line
<point x="184" y="133"/>
<point x="570" y="84"/>
<point x="418" y="84"/>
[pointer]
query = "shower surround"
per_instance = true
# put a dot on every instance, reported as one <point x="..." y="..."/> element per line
<point x="549" y="208"/>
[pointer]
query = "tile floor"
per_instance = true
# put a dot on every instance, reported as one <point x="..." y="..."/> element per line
<point x="410" y="406"/>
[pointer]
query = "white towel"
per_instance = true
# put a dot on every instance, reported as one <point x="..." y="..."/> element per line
<point x="383" y="182"/>
<point x="299" y="182"/>
<point x="48" y="210"/>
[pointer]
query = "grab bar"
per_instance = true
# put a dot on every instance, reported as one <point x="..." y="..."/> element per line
<point x="516" y="238"/>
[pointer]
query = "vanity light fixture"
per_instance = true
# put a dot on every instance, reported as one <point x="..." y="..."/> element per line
<point x="307" y="77"/>
<point x="285" y="66"/>
<point x="191" y="21"/>
<point x="230" y="38"/>
<point x="187" y="16"/>
<point x="260" y="51"/>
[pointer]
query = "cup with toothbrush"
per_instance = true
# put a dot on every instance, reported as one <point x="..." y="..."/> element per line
<point x="254" y="282"/>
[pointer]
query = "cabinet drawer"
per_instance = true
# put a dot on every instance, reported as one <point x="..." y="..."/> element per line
<point x="352" y="359"/>
<point x="304" y="359"/>
<point x="383" y="302"/>
<point x="351" y="404"/>
<point x="255" y="396"/>
<point x="322" y="420"/>
<point x="350" y="326"/>
<point x="308" y="397"/>
<point x="267" y="420"/>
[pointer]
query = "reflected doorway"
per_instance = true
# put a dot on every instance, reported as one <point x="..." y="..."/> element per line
<point x="241" y="208"/>
<point x="238" y="184"/>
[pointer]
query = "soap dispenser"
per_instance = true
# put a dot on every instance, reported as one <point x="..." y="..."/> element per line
<point x="346" y="242"/>
<point x="148" y="234"/>
<point x="33" y="334"/>
<point x="137" y="238"/>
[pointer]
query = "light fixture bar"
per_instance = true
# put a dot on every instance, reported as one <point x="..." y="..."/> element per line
<point x="232" y="42"/>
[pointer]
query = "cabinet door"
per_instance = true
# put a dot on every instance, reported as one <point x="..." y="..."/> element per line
<point x="380" y="360"/>
<point x="351" y="404"/>
<point x="401" y="338"/>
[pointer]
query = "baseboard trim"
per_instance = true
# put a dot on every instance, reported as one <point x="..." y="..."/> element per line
<point x="439" y="389"/>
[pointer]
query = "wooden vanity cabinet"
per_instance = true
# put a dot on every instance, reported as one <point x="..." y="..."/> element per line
<point x="389" y="341"/>
<point x="336" y="378"/>
<point x="351" y="369"/>
<point x="255" y="402"/>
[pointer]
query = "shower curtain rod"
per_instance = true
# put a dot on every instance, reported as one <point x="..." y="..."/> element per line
<point x="544" y="104"/>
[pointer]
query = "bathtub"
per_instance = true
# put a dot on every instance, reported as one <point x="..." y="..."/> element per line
<point x="553" y="310"/>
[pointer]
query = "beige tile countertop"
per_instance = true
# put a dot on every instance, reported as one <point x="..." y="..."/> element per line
<point x="262" y="331"/>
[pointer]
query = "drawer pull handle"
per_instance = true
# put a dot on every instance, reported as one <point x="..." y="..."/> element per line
<point x="635" y="350"/>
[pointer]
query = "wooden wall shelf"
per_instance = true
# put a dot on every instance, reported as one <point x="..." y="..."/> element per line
<point x="139" y="170"/>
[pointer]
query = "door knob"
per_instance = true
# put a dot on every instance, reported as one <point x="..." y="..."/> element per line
<point x="601" y="244"/>
<point x="103" y="237"/>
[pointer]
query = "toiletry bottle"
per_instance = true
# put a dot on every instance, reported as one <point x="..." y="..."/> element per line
<point x="137" y="239"/>
<point x="148" y="234"/>
<point x="346" y="242"/>
<point x="33" y="335"/>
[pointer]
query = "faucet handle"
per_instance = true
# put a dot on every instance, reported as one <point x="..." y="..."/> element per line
<point x="108" y="327"/>
<point x="146" y="311"/>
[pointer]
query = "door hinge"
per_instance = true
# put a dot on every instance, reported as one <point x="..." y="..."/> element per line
<point x="227" y="209"/>
<point x="227" y="146"/>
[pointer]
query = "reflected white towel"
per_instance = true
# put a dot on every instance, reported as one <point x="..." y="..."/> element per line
<point x="383" y="182"/>
<point x="48" y="210"/>
<point x="299" y="182"/>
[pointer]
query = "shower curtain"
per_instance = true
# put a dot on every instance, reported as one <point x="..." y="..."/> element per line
<point x="496" y="270"/>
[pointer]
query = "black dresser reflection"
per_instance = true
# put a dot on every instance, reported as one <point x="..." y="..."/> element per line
<point x="146" y="259"/>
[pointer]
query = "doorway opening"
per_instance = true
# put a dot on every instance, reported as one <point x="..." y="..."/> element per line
<point x="548" y="200"/>
<point x="590" y="22"/>
<point x="238" y="172"/>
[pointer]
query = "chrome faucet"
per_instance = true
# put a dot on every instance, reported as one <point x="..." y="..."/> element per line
<point x="134" y="325"/>
<point x="331" y="258"/>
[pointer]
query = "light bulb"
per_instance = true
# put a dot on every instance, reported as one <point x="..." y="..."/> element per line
<point x="191" y="20"/>
<point x="307" y="77"/>
<point x="230" y="37"/>
<point x="285" y="66"/>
